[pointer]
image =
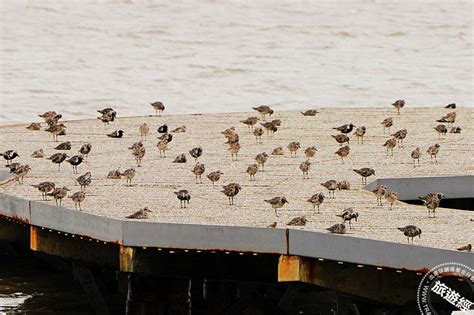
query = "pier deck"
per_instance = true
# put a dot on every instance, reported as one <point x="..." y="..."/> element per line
<point x="211" y="223"/>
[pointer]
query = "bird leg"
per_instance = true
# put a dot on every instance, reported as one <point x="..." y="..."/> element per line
<point x="276" y="213"/>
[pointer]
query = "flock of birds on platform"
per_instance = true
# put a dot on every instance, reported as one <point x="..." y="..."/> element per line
<point x="56" y="128"/>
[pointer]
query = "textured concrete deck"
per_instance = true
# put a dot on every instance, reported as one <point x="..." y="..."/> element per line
<point x="159" y="177"/>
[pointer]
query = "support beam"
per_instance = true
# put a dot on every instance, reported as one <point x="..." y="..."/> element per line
<point x="88" y="284"/>
<point x="386" y="285"/>
<point x="14" y="231"/>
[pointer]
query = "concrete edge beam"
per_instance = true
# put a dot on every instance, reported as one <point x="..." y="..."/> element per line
<point x="15" y="208"/>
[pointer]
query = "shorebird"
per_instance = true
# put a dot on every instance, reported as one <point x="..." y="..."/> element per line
<point x="85" y="149"/>
<point x="304" y="167"/>
<point x="115" y="174"/>
<point x="277" y="203"/>
<point x="310" y="112"/>
<point x="298" y="221"/>
<point x="250" y="122"/>
<point x="162" y="147"/>
<point x="455" y="130"/>
<point x="415" y="155"/>
<point x="310" y="152"/>
<point x="196" y="153"/>
<point x="85" y="180"/>
<point x="58" y="158"/>
<point x="338" y="228"/>
<point x="143" y="129"/>
<point x="341" y="138"/>
<point x="347" y="215"/>
<point x="20" y="172"/>
<point x="179" y="129"/>
<point x="431" y="201"/>
<point x="433" y="151"/>
<point x="264" y="110"/>
<point x="293" y="147"/>
<point x="141" y="214"/>
<point x="346" y="128"/>
<point x="316" y="200"/>
<point x="34" y="126"/>
<point x="252" y="170"/>
<point x="360" y="133"/>
<point x="343" y="152"/>
<point x="380" y="192"/>
<point x="163" y="129"/>
<point x="180" y="158"/>
<point x="183" y="197"/>
<point x="159" y="107"/>
<point x="398" y="104"/>
<point x="390" y="144"/>
<point x="106" y="111"/>
<point x="9" y="156"/>
<point x="467" y="248"/>
<point x="107" y="117"/>
<point x="411" y="231"/>
<point x="116" y="134"/>
<point x="58" y="194"/>
<point x="442" y="130"/>
<point x="129" y="174"/>
<point x="450" y="118"/>
<point x="234" y="149"/>
<point x="198" y="170"/>
<point x="64" y="146"/>
<point x="258" y="132"/>
<point x="37" y="154"/>
<point x="75" y="161"/>
<point x="231" y="190"/>
<point x="387" y="123"/>
<point x="51" y="121"/>
<point x="270" y="127"/>
<point x="48" y="115"/>
<point x="331" y="186"/>
<point x="14" y="166"/>
<point x="364" y="173"/>
<point x="278" y="151"/>
<point x="272" y="225"/>
<point x="167" y="136"/>
<point x="214" y="176"/>
<point x="44" y="188"/>
<point x="343" y="185"/>
<point x="56" y="130"/>
<point x="78" y="197"/>
<point x="400" y="135"/>
<point x="391" y="197"/>
<point x="229" y="133"/>
<point x="452" y="106"/>
<point x="261" y="159"/>
<point x="139" y="153"/>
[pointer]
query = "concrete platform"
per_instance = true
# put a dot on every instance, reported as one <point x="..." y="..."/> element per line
<point x="211" y="223"/>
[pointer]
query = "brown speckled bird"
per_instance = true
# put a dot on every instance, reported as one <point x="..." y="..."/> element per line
<point x="162" y="147"/>
<point x="198" y="170"/>
<point x="331" y="186"/>
<point x="250" y="122"/>
<point x="183" y="196"/>
<point x="341" y="138"/>
<point x="231" y="190"/>
<point x="84" y="180"/>
<point x="467" y="248"/>
<point x="310" y="152"/>
<point x="390" y="144"/>
<point x="310" y="112"/>
<point x="305" y="167"/>
<point x="143" y="129"/>
<point x="234" y="149"/>
<point x="398" y="104"/>
<point x="344" y="185"/>
<point x="450" y="118"/>
<point x="179" y="129"/>
<point x="348" y="214"/>
<point x="272" y="225"/>
<point x="180" y="158"/>
<point x="343" y="152"/>
<point x="63" y="146"/>
<point x="214" y="176"/>
<point x="34" y="126"/>
<point x="85" y="149"/>
<point x="264" y="110"/>
<point x="129" y="174"/>
<point x="270" y="127"/>
<point x="77" y="198"/>
<point x="44" y="188"/>
<point x="115" y="174"/>
<point x="58" y="194"/>
<point x="400" y="135"/>
<point x="442" y="130"/>
<point x="159" y="107"/>
<point x="58" y="158"/>
<point x="293" y="147"/>
<point x="277" y="203"/>
<point x="141" y="214"/>
<point x="316" y="200"/>
<point x="360" y="133"/>
<point x="37" y="154"/>
<point x="415" y="155"/>
<point x="380" y="192"/>
<point x="20" y="172"/>
<point x="252" y="170"/>
<point x="433" y="152"/>
<point x="261" y="159"/>
<point x="431" y="202"/>
<point x="258" y="132"/>
<point x="364" y="173"/>
<point x="391" y="197"/>
<point x="196" y="153"/>
<point x="411" y="231"/>
<point x="338" y="228"/>
<point x="56" y="130"/>
<point x="278" y="151"/>
<point x="75" y="161"/>
<point x="139" y="153"/>
<point x="455" y="130"/>
<point x="298" y="221"/>
<point x="387" y="123"/>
